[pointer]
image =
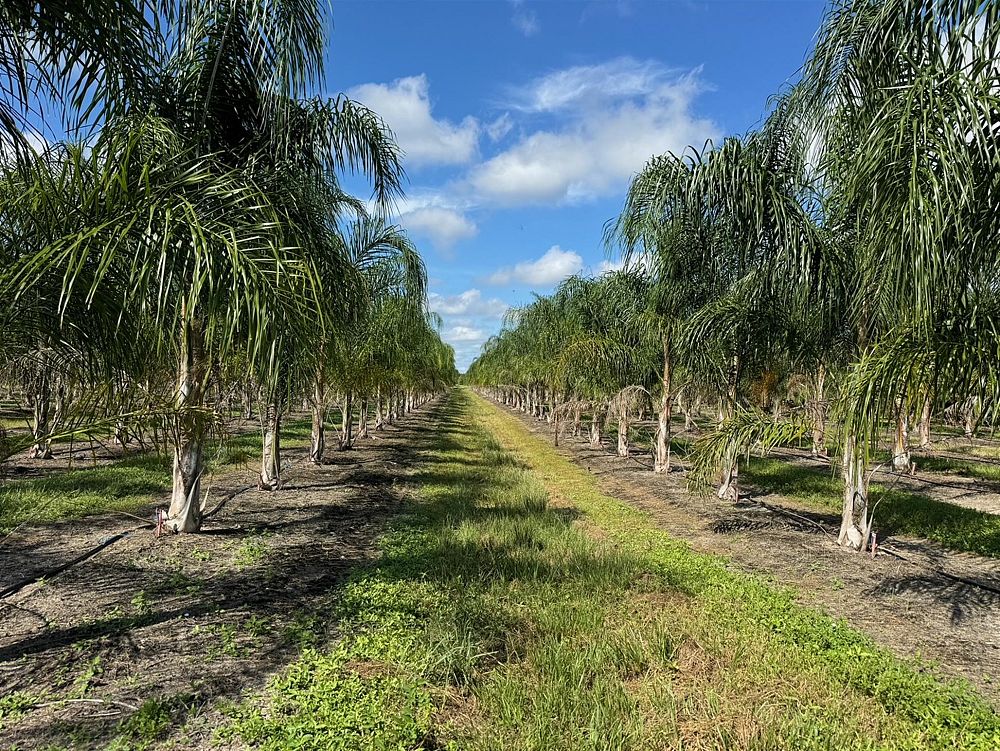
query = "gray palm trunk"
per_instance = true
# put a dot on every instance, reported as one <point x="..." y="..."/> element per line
<point x="347" y="422"/>
<point x="597" y="426"/>
<point x="184" y="513"/>
<point x="623" y="423"/>
<point x="41" y="409"/>
<point x="855" y="522"/>
<point x="379" y="415"/>
<point x="661" y="461"/>
<point x="363" y="418"/>
<point x="901" y="444"/>
<point x="925" y="422"/>
<point x="729" y="486"/>
<point x="317" y="406"/>
<point x="270" y="463"/>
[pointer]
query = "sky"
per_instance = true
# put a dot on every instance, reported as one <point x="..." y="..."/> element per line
<point x="522" y="122"/>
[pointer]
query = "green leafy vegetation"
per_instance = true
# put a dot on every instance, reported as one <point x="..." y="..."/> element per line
<point x="517" y="606"/>
<point x="895" y="511"/>
<point x="128" y="485"/>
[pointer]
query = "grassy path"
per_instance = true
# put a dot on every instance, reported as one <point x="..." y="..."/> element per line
<point x="517" y="606"/>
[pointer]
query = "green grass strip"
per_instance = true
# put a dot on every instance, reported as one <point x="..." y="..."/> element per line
<point x="515" y="606"/>
<point x="898" y="511"/>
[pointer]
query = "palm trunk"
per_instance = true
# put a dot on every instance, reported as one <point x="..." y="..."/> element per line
<point x="270" y="464"/>
<point x="661" y="462"/>
<point x="347" y="422"/>
<point x="969" y="416"/>
<point x="729" y="486"/>
<point x="317" y="405"/>
<point x="596" y="426"/>
<point x="854" y="522"/>
<point x="555" y="415"/>
<point x="819" y="413"/>
<point x="363" y="418"/>
<point x="901" y="445"/>
<point x="576" y="420"/>
<point x="248" y="402"/>
<point x="925" y="422"/>
<point x="623" y="432"/>
<point x="41" y="407"/>
<point x="379" y="416"/>
<point x="184" y="513"/>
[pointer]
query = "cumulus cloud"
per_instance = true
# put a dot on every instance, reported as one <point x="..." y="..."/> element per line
<point x="607" y="120"/>
<point x="443" y="226"/>
<point x="524" y="20"/>
<point x="463" y="334"/>
<point x="406" y="107"/>
<point x="554" y="266"/>
<point x="606" y="266"/>
<point x="468" y="303"/>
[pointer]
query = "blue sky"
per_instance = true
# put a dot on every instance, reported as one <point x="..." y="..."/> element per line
<point x="522" y="122"/>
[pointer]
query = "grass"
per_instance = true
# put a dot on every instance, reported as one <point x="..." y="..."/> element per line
<point x="130" y="485"/>
<point x="977" y="470"/>
<point x="516" y="606"/>
<point x="898" y="511"/>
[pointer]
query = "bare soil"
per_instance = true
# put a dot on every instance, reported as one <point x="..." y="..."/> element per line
<point x="915" y="597"/>
<point x="189" y="620"/>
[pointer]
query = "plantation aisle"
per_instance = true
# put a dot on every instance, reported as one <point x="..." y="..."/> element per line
<point x="929" y="605"/>
<point x="176" y="625"/>
<point x="511" y="604"/>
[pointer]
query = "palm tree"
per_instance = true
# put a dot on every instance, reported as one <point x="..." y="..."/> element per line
<point x="89" y="59"/>
<point x="391" y="281"/>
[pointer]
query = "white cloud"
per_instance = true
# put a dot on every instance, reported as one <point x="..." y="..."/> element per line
<point x="606" y="266"/>
<point x="444" y="226"/>
<point x="526" y="21"/>
<point x="463" y="334"/>
<point x="405" y="105"/>
<point x="611" y="119"/>
<point x="554" y="266"/>
<point x="592" y="86"/>
<point x="468" y="303"/>
<point x="500" y="127"/>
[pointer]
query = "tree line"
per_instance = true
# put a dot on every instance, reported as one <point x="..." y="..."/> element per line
<point x="830" y="276"/>
<point x="184" y="249"/>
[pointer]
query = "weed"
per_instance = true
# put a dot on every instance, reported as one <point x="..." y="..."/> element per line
<point x="82" y="683"/>
<point x="150" y="723"/>
<point x="251" y="552"/>
<point x="142" y="603"/>
<point x="14" y="705"/>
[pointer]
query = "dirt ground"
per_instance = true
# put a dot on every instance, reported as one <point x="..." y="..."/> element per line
<point x="191" y="619"/>
<point x="918" y="599"/>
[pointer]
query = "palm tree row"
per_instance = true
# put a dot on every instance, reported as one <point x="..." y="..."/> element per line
<point x="831" y="275"/>
<point x="196" y="241"/>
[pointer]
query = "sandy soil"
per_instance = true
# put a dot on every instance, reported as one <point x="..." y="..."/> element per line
<point x="189" y="619"/>
<point x="920" y="600"/>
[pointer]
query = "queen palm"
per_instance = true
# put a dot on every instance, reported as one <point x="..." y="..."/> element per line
<point x="387" y="268"/>
<point x="88" y="59"/>
<point x="228" y="96"/>
<point x="901" y="95"/>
